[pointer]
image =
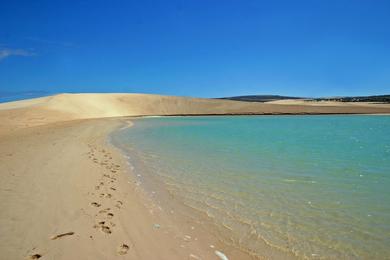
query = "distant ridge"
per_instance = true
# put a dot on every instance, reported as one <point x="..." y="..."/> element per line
<point x="267" y="98"/>
<point x="260" y="98"/>
<point x="377" y="98"/>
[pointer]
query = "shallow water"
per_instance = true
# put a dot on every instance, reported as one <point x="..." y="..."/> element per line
<point x="308" y="186"/>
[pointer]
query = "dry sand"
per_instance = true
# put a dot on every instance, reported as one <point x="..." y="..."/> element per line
<point x="67" y="194"/>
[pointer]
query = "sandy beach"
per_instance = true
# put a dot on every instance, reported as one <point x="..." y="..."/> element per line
<point x="66" y="193"/>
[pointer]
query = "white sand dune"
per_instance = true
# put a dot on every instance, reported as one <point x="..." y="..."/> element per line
<point x="64" y="107"/>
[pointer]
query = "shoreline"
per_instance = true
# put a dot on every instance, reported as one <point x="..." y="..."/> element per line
<point x="152" y="149"/>
<point x="77" y="193"/>
<point x="254" y="114"/>
<point x="250" y="115"/>
<point x="157" y="191"/>
<point x="196" y="225"/>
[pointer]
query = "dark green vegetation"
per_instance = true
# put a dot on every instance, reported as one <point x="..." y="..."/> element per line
<point x="260" y="98"/>
<point x="266" y="98"/>
<point x="378" y="99"/>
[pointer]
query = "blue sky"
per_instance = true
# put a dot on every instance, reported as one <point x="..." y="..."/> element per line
<point x="196" y="48"/>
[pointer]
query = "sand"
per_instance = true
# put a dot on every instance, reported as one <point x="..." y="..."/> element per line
<point x="66" y="193"/>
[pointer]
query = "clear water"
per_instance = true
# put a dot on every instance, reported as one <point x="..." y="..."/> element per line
<point x="307" y="186"/>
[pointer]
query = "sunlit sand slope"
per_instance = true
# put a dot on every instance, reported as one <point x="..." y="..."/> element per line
<point x="64" y="107"/>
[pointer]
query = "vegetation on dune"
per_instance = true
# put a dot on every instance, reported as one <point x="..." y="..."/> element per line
<point x="266" y="98"/>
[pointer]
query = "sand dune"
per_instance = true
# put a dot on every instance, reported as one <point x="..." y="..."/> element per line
<point x="64" y="107"/>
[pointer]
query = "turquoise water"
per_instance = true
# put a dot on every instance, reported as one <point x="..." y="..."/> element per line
<point x="306" y="186"/>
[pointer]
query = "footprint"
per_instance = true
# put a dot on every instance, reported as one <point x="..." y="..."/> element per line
<point x="98" y="225"/>
<point x="35" y="256"/>
<point x="108" y="195"/>
<point x="110" y="215"/>
<point x="103" y="227"/>
<point x="95" y="204"/>
<point x="118" y="204"/>
<point x="112" y="188"/>
<point x="62" y="235"/>
<point x="122" y="249"/>
<point x="106" y="230"/>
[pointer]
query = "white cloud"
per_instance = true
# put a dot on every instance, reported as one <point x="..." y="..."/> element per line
<point x="5" y="53"/>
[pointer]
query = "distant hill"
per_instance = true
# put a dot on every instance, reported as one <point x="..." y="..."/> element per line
<point x="378" y="99"/>
<point x="266" y="98"/>
<point x="260" y="98"/>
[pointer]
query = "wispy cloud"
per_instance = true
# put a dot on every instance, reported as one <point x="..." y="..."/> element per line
<point x="7" y="52"/>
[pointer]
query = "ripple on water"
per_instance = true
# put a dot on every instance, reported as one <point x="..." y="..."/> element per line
<point x="306" y="185"/>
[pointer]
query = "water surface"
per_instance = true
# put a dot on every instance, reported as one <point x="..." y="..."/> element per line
<point x="307" y="186"/>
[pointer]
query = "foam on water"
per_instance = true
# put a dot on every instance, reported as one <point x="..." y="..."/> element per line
<point x="308" y="186"/>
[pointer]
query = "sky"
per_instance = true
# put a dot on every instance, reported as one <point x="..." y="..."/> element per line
<point x="202" y="48"/>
